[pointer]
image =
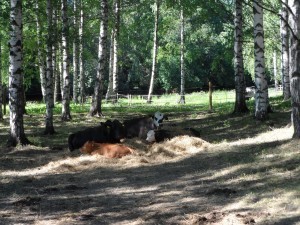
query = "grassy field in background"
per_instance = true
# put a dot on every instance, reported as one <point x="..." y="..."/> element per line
<point x="223" y="102"/>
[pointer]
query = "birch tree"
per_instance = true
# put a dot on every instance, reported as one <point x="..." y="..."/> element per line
<point x="96" y="109"/>
<point x="240" y="99"/>
<point x="294" y="21"/>
<point x="16" y="95"/>
<point x="275" y="70"/>
<point x="41" y="59"/>
<point x="285" y="51"/>
<point x="66" y="113"/>
<point x="49" y="73"/>
<point x="80" y="53"/>
<point x="182" y="71"/>
<point x="154" y="56"/>
<point x="1" y="84"/>
<point x="54" y="49"/>
<point x="261" y="85"/>
<point x="75" y="53"/>
<point x="116" y="50"/>
<point x="109" y="92"/>
<point x="57" y="53"/>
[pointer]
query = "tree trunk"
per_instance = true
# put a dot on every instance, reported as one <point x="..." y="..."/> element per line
<point x="54" y="55"/>
<point x="154" y="56"/>
<point x="1" y="86"/>
<point x="66" y="113"/>
<point x="58" y="74"/>
<point x="285" y="52"/>
<point x="49" y="73"/>
<point x="95" y="109"/>
<point x="295" y="64"/>
<point x="41" y="58"/>
<point x="109" y="92"/>
<point x="75" y="55"/>
<point x="182" y="71"/>
<point x="240" y="89"/>
<point x="16" y="94"/>
<point x="115" y="51"/>
<point x="261" y="85"/>
<point x="81" y="74"/>
<point x="275" y="71"/>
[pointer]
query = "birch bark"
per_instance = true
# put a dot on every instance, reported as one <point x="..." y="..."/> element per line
<point x="240" y="89"/>
<point x="49" y="97"/>
<point x="66" y="113"/>
<point x="16" y="90"/>
<point x="294" y="19"/>
<point x="182" y="51"/>
<point x="285" y="52"/>
<point x="154" y="56"/>
<point x="96" y="109"/>
<point x="261" y="85"/>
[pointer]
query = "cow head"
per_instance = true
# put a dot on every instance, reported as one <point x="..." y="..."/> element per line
<point x="151" y="136"/>
<point x="158" y="118"/>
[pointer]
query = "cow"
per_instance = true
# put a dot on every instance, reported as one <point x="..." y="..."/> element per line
<point x="139" y="127"/>
<point x="110" y="131"/>
<point x="161" y="135"/>
<point x="106" y="149"/>
<point x="159" y="118"/>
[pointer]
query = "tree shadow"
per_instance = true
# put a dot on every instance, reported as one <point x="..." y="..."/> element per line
<point x="154" y="194"/>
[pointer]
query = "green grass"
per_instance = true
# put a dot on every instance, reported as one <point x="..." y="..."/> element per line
<point x="223" y="103"/>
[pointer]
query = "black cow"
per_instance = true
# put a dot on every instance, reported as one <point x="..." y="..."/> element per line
<point x="108" y="132"/>
<point x="139" y="127"/>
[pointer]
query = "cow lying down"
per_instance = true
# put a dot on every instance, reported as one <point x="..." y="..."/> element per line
<point x="108" y="132"/>
<point x="106" y="149"/>
<point x="114" y="131"/>
<point x="139" y="127"/>
<point x="162" y="135"/>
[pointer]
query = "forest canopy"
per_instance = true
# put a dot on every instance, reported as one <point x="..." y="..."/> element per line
<point x="208" y="43"/>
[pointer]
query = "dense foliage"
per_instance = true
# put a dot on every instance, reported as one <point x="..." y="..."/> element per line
<point x="208" y="43"/>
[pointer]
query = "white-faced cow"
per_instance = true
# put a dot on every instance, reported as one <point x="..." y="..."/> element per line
<point x="139" y="127"/>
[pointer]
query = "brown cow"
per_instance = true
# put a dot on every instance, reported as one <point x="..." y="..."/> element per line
<point x="106" y="149"/>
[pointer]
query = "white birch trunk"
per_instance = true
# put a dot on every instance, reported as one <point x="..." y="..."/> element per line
<point x="275" y="70"/>
<point x="16" y="94"/>
<point x="182" y="51"/>
<point x="95" y="109"/>
<point x="75" y="54"/>
<point x="285" y="52"/>
<point x="261" y="85"/>
<point x="240" y="100"/>
<point x="109" y="92"/>
<point x="49" y="74"/>
<point x="295" y="64"/>
<point x="154" y="56"/>
<point x="81" y="74"/>
<point x="66" y="113"/>
<point x="41" y="58"/>
<point x="115" y="50"/>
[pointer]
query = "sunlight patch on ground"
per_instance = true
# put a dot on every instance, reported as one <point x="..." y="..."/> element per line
<point x="281" y="134"/>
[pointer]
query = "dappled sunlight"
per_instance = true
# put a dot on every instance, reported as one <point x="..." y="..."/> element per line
<point x="249" y="177"/>
<point x="269" y="136"/>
